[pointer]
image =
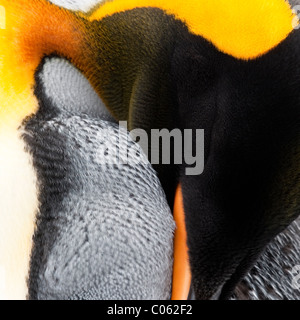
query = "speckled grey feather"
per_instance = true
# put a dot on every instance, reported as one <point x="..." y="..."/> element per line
<point x="111" y="235"/>
<point x="70" y="90"/>
<point x="294" y="2"/>
<point x="119" y="234"/>
<point x="271" y="278"/>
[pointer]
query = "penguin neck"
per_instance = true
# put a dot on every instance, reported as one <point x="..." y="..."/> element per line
<point x="29" y="31"/>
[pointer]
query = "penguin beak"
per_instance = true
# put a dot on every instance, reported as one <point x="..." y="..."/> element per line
<point x="181" y="270"/>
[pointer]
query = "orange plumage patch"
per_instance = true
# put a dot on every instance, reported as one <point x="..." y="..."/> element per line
<point x="32" y="30"/>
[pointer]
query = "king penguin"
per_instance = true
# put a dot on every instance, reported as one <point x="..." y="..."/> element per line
<point x="272" y="275"/>
<point x="75" y="222"/>
<point x="229" y="67"/>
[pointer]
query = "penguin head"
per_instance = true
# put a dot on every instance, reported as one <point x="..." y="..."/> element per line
<point x="108" y="252"/>
<point x="228" y="67"/>
<point x="231" y="69"/>
<point x="247" y="192"/>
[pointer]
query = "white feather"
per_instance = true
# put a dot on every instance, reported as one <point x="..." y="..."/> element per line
<point x="18" y="208"/>
<point x="77" y="5"/>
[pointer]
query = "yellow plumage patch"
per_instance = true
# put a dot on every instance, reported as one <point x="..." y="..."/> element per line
<point x="243" y="29"/>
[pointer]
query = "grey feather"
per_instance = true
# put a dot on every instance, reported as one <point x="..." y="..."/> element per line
<point x="70" y="90"/>
<point x="271" y="278"/>
<point x="111" y="236"/>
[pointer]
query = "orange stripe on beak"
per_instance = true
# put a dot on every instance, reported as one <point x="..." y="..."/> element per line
<point x="181" y="271"/>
